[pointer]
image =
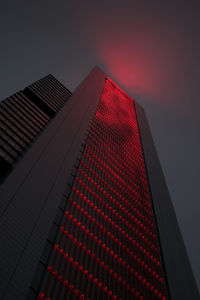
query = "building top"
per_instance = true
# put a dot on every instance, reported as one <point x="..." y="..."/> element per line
<point x="24" y="115"/>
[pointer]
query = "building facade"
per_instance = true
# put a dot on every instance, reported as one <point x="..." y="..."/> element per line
<point x="86" y="214"/>
<point x="24" y="115"/>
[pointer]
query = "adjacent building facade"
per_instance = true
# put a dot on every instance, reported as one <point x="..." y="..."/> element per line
<point x="86" y="213"/>
<point x="24" y="115"/>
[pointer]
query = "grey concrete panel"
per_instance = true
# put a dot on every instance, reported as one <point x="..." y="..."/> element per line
<point x="32" y="192"/>
<point x="180" y="279"/>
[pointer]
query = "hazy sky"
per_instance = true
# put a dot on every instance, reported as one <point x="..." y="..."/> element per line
<point x="150" y="48"/>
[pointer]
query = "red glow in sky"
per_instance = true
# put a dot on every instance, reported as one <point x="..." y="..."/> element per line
<point x="143" y="55"/>
<point x="138" y="72"/>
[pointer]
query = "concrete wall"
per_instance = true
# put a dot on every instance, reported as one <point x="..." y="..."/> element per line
<point x="180" y="279"/>
<point x="31" y="194"/>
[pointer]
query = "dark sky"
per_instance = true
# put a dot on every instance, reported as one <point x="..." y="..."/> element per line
<point x="150" y="48"/>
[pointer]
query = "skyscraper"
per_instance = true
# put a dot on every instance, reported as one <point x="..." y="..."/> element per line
<point x="86" y="213"/>
<point x="24" y="115"/>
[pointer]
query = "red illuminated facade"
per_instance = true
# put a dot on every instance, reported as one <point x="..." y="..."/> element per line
<point x="107" y="244"/>
<point x="85" y="213"/>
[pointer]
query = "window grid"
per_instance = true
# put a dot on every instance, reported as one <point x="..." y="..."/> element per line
<point x="5" y="155"/>
<point x="52" y="89"/>
<point x="60" y="92"/>
<point x="10" y="141"/>
<point x="33" y="106"/>
<point x="12" y="135"/>
<point x="10" y="111"/>
<point x="20" y="113"/>
<point x="34" y="115"/>
<point x="13" y="125"/>
<point x="107" y="244"/>
<point x="8" y="149"/>
<point x="56" y="85"/>
<point x="45" y="97"/>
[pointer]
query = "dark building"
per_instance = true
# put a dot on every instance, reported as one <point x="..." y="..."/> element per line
<point x="24" y="115"/>
<point x="86" y="213"/>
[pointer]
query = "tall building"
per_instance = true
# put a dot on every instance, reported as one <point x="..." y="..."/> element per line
<point x="86" y="213"/>
<point x="24" y="115"/>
